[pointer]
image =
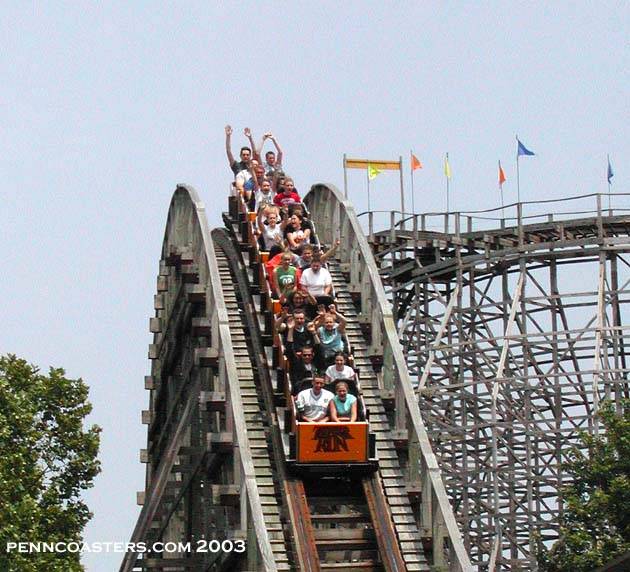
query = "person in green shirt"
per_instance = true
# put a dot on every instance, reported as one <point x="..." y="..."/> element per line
<point x="284" y="277"/>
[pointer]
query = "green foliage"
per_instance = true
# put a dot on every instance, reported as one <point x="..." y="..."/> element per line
<point x="595" y="527"/>
<point x="46" y="460"/>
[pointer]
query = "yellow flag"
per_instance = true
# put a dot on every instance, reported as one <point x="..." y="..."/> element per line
<point x="373" y="171"/>
<point x="447" y="167"/>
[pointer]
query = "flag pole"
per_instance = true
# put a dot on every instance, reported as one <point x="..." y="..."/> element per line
<point x="609" y="188"/>
<point x="402" y="188"/>
<point x="518" y="177"/>
<point x="501" y="187"/>
<point x="402" y="193"/>
<point x="345" y="178"/>
<point x="413" y="202"/>
<point x="447" y="185"/>
<point x="368" y="184"/>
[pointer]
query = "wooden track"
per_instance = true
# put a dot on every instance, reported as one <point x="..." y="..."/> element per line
<point x="321" y="544"/>
<point x="215" y="451"/>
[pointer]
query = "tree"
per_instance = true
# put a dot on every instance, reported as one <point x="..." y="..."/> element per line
<point x="595" y="527"/>
<point x="47" y="459"/>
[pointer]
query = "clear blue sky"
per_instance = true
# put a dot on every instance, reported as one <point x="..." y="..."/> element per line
<point x="105" y="108"/>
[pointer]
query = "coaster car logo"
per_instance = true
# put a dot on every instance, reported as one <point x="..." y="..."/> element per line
<point x="331" y="439"/>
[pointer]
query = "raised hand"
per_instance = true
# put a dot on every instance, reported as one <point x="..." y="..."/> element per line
<point x="247" y="131"/>
<point x="228" y="130"/>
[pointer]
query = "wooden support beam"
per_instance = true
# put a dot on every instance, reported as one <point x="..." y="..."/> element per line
<point x="206" y="357"/>
<point x="190" y="273"/>
<point x="147" y="417"/>
<point x="213" y="400"/>
<point x="186" y="255"/>
<point x="171" y="492"/>
<point x="506" y="343"/>
<point x="438" y="338"/>
<point x="183" y="468"/>
<point x="153" y="351"/>
<point x="158" y="302"/>
<point x="345" y="268"/>
<point x="226" y="494"/>
<point x="400" y="437"/>
<point x="201" y="327"/>
<point x="184" y="450"/>
<point x="144" y="456"/>
<point x="387" y="395"/>
<point x="155" y="325"/>
<point x="377" y="361"/>
<point x="195" y="293"/>
<point x="220" y="442"/>
<point x="174" y="257"/>
<point x="162" y="283"/>
<point x="414" y="490"/>
<point x="149" y="382"/>
<point x="179" y="255"/>
<point x="140" y="498"/>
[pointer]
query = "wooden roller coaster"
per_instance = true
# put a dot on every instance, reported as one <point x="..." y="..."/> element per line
<point x="222" y="485"/>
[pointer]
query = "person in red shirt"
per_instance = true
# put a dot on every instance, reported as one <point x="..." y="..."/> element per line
<point x="288" y="195"/>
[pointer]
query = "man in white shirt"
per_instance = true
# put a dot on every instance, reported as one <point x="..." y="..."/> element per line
<point x="312" y="403"/>
<point x="317" y="281"/>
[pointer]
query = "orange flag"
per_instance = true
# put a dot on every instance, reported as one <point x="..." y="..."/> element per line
<point x="415" y="163"/>
<point x="502" y="178"/>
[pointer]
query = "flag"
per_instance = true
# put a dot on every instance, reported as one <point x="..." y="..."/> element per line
<point x="447" y="167"/>
<point x="415" y="163"/>
<point x="609" y="172"/>
<point x="502" y="178"/>
<point x="372" y="172"/>
<point x="522" y="150"/>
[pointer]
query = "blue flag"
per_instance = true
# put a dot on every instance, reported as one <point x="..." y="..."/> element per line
<point x="522" y="150"/>
<point x="609" y="173"/>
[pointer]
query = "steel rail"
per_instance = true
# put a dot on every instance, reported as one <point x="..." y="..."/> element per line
<point x="386" y="538"/>
<point x="300" y="514"/>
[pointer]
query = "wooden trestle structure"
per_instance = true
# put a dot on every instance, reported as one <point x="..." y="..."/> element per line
<point x="514" y="325"/>
<point x="215" y="458"/>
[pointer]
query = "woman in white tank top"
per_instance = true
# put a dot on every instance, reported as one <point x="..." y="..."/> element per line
<point x="271" y="232"/>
